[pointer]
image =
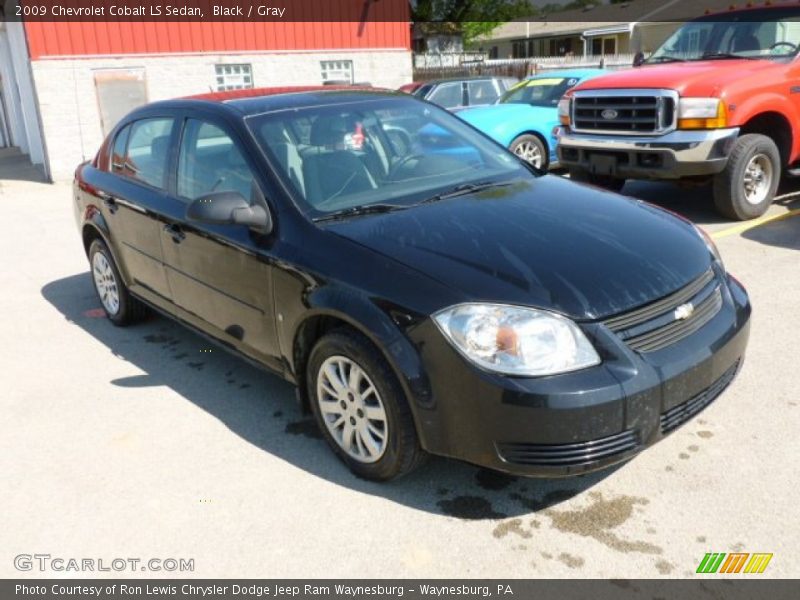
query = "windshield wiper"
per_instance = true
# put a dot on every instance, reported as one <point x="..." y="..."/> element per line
<point x="664" y="58"/>
<point x="463" y="190"/>
<point x="357" y="211"/>
<point x="716" y="55"/>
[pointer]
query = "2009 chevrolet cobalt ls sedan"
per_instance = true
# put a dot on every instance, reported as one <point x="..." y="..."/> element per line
<point x="425" y="289"/>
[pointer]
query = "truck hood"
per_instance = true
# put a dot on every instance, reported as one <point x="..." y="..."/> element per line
<point x="544" y="242"/>
<point x="705" y="78"/>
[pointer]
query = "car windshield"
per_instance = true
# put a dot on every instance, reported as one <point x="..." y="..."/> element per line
<point x="708" y="39"/>
<point x="539" y="91"/>
<point x="394" y="151"/>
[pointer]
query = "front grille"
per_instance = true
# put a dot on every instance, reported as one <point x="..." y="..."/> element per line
<point x="631" y="112"/>
<point x="657" y="325"/>
<point x="678" y="415"/>
<point x="568" y="455"/>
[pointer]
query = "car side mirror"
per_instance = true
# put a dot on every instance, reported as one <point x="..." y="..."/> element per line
<point x="229" y="208"/>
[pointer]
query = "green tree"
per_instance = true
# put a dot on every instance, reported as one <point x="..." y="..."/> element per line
<point x="470" y="18"/>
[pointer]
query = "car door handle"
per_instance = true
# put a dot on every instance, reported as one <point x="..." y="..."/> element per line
<point x="108" y="201"/>
<point x="175" y="232"/>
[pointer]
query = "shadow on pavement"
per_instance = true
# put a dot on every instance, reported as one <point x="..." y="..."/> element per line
<point x="261" y="409"/>
<point x="697" y="203"/>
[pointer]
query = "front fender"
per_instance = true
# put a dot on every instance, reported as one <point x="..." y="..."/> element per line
<point x="381" y="323"/>
<point x="772" y="102"/>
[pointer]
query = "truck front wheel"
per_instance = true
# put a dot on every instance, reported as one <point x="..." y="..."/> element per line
<point x="747" y="186"/>
<point x="613" y="184"/>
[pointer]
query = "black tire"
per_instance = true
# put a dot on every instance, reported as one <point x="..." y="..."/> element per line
<point x="612" y="184"/>
<point x="730" y="198"/>
<point x="402" y="453"/>
<point x="130" y="310"/>
<point x="537" y="143"/>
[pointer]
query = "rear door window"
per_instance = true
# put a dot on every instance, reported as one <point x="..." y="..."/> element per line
<point x="148" y="151"/>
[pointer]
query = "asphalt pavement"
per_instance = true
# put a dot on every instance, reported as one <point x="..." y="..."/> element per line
<point x="148" y="442"/>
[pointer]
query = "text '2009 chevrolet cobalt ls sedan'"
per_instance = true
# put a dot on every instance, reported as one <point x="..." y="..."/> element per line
<point x="425" y="289"/>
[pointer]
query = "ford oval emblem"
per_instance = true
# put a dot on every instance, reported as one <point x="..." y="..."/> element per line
<point x="609" y="114"/>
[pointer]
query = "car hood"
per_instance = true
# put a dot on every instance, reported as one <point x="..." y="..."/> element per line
<point x="693" y="78"/>
<point x="544" y="242"/>
<point x="514" y="115"/>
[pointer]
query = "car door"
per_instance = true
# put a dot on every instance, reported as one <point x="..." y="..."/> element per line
<point x="132" y="196"/>
<point x="221" y="274"/>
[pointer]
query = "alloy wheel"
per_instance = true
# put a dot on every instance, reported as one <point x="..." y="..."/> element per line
<point x="757" y="179"/>
<point x="352" y="409"/>
<point x="106" y="283"/>
<point x="529" y="152"/>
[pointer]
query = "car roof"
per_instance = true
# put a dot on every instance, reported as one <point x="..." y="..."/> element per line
<point x="467" y="78"/>
<point x="261" y="100"/>
<point x="569" y="73"/>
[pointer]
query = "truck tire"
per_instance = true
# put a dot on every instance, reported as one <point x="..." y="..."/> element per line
<point x="612" y="184"/>
<point x="747" y="186"/>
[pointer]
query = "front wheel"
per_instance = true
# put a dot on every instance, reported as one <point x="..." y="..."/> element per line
<point x="530" y="149"/>
<point x="360" y="407"/>
<point x="747" y="186"/>
<point x="612" y="184"/>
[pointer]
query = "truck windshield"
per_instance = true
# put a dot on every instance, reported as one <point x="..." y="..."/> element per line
<point x="706" y="39"/>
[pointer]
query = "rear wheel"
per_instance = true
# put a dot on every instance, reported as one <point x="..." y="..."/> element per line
<point x="613" y="184"/>
<point x="530" y="149"/>
<point x="120" y="307"/>
<point x="747" y="186"/>
<point x="360" y="407"/>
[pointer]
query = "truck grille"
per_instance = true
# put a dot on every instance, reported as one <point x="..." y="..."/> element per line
<point x="666" y="321"/>
<point x="628" y="112"/>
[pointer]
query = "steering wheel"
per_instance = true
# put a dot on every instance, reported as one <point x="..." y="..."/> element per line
<point x="778" y="44"/>
<point x="401" y="163"/>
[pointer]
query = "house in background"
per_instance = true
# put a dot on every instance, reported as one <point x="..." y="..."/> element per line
<point x="64" y="85"/>
<point x="592" y="31"/>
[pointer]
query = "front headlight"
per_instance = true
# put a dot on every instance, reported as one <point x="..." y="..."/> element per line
<point x="515" y="340"/>
<point x="701" y="113"/>
<point x="712" y="247"/>
<point x="563" y="111"/>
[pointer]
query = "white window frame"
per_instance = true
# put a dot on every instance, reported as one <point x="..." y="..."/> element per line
<point x="336" y="70"/>
<point x="233" y="76"/>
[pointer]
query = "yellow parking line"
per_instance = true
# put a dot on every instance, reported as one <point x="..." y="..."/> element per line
<point x="754" y="223"/>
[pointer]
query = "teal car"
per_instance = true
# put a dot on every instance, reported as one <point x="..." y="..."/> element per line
<point x="523" y="118"/>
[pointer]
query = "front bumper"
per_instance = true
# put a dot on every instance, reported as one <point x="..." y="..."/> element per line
<point x="670" y="156"/>
<point x="586" y="420"/>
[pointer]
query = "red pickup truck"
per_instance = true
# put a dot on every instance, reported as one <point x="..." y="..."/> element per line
<point x="719" y="101"/>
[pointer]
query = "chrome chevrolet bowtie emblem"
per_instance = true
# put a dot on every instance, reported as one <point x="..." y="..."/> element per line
<point x="684" y="311"/>
<point x="609" y="114"/>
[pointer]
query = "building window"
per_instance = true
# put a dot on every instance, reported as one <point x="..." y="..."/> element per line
<point x="234" y="77"/>
<point x="336" y="71"/>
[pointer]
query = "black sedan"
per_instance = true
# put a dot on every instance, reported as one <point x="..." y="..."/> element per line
<point x="425" y="290"/>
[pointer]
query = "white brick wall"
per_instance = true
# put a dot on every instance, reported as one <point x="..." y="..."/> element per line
<point x="68" y="100"/>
